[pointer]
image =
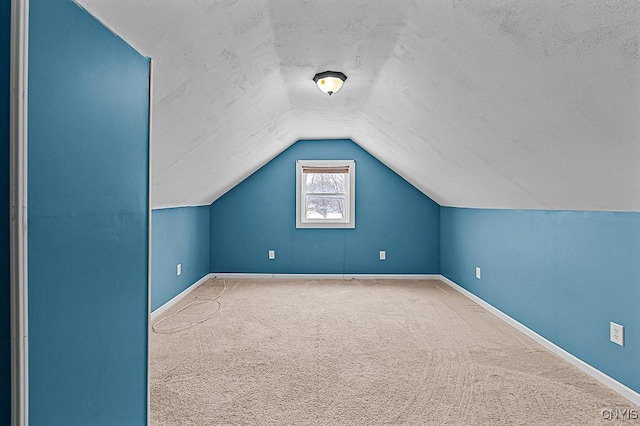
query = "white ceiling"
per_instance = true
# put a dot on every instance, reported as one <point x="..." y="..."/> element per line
<point x="503" y="104"/>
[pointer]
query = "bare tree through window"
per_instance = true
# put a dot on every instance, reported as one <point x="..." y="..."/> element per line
<point x="325" y="195"/>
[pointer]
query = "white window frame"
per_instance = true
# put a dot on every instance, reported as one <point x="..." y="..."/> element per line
<point x="349" y="220"/>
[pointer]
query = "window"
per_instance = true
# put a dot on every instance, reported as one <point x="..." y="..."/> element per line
<point x="325" y="194"/>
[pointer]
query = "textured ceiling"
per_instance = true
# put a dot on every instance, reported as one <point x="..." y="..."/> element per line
<point x="505" y="104"/>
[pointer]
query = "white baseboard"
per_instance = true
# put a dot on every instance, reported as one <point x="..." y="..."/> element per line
<point x="628" y="393"/>
<point x="179" y="296"/>
<point x="327" y="276"/>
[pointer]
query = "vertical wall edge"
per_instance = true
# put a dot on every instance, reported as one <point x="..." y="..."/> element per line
<point x="18" y="200"/>
<point x="149" y="236"/>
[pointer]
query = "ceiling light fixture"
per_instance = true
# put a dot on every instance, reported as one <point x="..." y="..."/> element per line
<point x="329" y="81"/>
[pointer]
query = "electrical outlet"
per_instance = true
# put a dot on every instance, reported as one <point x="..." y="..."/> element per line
<point x="179" y="269"/>
<point x="383" y="255"/>
<point x="272" y="254"/>
<point x="616" y="333"/>
<point x="478" y="273"/>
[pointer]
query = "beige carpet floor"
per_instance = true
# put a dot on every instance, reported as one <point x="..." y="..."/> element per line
<point x="371" y="352"/>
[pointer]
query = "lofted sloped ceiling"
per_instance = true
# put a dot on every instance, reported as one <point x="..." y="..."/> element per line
<point x="498" y="104"/>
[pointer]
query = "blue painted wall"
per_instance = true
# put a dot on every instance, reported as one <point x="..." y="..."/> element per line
<point x="563" y="274"/>
<point x="5" y="320"/>
<point x="259" y="214"/>
<point x="88" y="221"/>
<point x="179" y="235"/>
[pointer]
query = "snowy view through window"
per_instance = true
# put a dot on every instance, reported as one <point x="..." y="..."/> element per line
<point x="325" y="196"/>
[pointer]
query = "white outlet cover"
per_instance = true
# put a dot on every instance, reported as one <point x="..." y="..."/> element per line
<point x="179" y="269"/>
<point x="383" y="255"/>
<point x="272" y="254"/>
<point x="616" y="333"/>
<point x="478" y="273"/>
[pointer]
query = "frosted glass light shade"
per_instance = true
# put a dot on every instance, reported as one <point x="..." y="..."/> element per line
<point x="329" y="81"/>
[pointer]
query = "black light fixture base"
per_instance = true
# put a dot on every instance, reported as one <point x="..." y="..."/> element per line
<point x="326" y="74"/>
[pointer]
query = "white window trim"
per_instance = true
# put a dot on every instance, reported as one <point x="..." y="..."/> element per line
<point x="350" y="218"/>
